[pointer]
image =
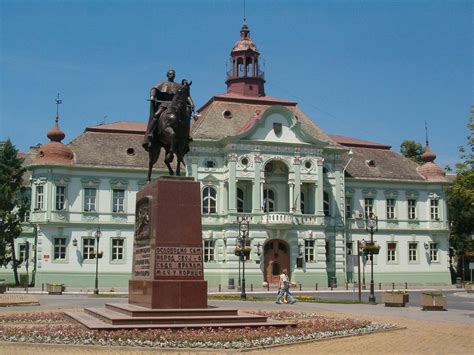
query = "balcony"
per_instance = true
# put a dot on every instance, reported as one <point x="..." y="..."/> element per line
<point x="278" y="219"/>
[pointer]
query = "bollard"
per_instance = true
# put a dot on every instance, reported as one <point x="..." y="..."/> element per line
<point x="301" y="285"/>
<point x="406" y="285"/>
<point x="347" y="285"/>
<point x="380" y="285"/>
<point x="316" y="286"/>
<point x="268" y="286"/>
<point x="42" y="287"/>
<point x="251" y="287"/>
<point x="220" y="288"/>
<point x="393" y="286"/>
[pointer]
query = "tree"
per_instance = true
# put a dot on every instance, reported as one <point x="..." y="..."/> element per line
<point x="411" y="150"/>
<point x="13" y="204"/>
<point x="461" y="202"/>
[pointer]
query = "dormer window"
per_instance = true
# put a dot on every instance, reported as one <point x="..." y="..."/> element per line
<point x="370" y="163"/>
<point x="227" y="114"/>
<point x="210" y="164"/>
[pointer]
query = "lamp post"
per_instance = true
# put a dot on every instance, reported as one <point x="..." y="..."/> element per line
<point x="371" y="226"/>
<point x="98" y="234"/>
<point x="244" y="233"/>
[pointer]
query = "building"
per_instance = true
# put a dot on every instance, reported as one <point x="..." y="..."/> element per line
<point x="305" y="193"/>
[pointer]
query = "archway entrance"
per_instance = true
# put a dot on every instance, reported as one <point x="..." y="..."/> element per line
<point x="276" y="258"/>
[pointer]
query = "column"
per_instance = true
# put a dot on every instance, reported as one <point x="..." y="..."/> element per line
<point x="232" y="193"/>
<point x="257" y="193"/>
<point x="297" y="188"/>
<point x="319" y="198"/>
<point x="292" y="201"/>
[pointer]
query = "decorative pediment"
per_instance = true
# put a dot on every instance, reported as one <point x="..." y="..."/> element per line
<point x="40" y="180"/>
<point x="209" y="180"/>
<point x="90" y="182"/>
<point x="434" y="196"/>
<point x="391" y="193"/>
<point x="412" y="194"/>
<point x="369" y="193"/>
<point x="118" y="183"/>
<point x="350" y="191"/>
<point x="60" y="180"/>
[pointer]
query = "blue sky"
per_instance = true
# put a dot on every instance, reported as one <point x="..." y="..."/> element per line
<point x="372" y="69"/>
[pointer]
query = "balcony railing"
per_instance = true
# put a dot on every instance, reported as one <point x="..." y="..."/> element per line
<point x="278" y="218"/>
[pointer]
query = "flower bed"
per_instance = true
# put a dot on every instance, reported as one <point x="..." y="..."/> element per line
<point x="54" y="328"/>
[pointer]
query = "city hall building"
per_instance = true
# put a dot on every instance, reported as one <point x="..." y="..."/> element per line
<point x="306" y="194"/>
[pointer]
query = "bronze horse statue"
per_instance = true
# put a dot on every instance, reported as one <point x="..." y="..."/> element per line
<point x="172" y="132"/>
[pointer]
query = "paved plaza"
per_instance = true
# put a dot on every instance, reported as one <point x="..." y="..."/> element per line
<point x="447" y="332"/>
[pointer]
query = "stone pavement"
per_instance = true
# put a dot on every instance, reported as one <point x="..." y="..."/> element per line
<point x="449" y="332"/>
<point x="12" y="299"/>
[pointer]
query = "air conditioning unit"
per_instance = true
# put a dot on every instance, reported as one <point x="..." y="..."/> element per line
<point x="357" y="215"/>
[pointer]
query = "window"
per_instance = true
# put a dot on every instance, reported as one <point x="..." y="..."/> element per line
<point x="412" y="251"/>
<point x="118" y="197"/>
<point x="309" y="254"/>
<point x="21" y="252"/>
<point x="434" y="209"/>
<point x="240" y="200"/>
<point x="59" y="249"/>
<point x="89" y="199"/>
<point x="326" y="206"/>
<point x="368" y="206"/>
<point x="208" y="200"/>
<point x="348" y="207"/>
<point x="209" y="250"/>
<point x="411" y="209"/>
<point x="390" y="208"/>
<point x="118" y="249"/>
<point x="60" y="197"/>
<point x="302" y="202"/>
<point x="326" y="247"/>
<point x="391" y="252"/>
<point x="268" y="200"/>
<point x="39" y="198"/>
<point x="434" y="251"/>
<point x="88" y="245"/>
<point x="349" y="248"/>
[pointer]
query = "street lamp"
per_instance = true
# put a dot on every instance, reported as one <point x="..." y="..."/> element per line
<point x="98" y="234"/>
<point x="371" y="226"/>
<point x="244" y="233"/>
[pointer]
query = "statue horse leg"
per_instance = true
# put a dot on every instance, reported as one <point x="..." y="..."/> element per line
<point x="170" y="133"/>
<point x="167" y="161"/>
<point x="153" y="155"/>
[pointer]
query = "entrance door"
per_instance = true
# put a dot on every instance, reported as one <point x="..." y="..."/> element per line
<point x="277" y="258"/>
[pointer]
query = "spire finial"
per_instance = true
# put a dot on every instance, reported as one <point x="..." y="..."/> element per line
<point x="245" y="17"/>
<point x="58" y="102"/>
<point x="426" y="134"/>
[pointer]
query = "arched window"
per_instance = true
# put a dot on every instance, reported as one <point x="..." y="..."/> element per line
<point x="209" y="200"/>
<point x="240" y="200"/>
<point x="326" y="203"/>
<point x="302" y="202"/>
<point x="268" y="204"/>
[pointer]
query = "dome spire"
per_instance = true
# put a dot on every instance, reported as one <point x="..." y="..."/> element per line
<point x="55" y="134"/>
<point x="428" y="155"/>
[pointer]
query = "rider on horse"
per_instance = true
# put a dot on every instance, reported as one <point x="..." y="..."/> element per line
<point x="161" y="96"/>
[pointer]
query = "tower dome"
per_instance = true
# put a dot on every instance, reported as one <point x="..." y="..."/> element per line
<point x="245" y="77"/>
<point x="429" y="169"/>
<point x="55" y="152"/>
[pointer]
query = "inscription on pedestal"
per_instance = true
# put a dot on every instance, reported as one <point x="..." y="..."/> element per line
<point x="178" y="261"/>
<point x="141" y="265"/>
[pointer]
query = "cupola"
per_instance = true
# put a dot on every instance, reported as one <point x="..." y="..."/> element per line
<point x="429" y="169"/>
<point x="55" y="152"/>
<point x="245" y="77"/>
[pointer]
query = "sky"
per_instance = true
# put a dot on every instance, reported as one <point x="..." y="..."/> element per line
<point x="370" y="69"/>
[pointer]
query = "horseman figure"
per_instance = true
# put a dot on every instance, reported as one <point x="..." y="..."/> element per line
<point x="168" y="127"/>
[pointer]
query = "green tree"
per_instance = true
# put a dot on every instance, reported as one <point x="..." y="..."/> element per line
<point x="461" y="203"/>
<point x="411" y="150"/>
<point x="13" y="204"/>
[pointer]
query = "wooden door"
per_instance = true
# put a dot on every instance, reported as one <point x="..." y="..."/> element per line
<point x="276" y="258"/>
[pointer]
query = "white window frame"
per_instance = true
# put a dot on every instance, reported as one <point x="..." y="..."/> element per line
<point x="368" y="206"/>
<point x="118" y="202"/>
<point x="209" y="246"/>
<point x="39" y="206"/>
<point x="310" y="250"/>
<point x="434" y="252"/>
<point x="116" y="250"/>
<point x="90" y="201"/>
<point x="60" y="198"/>
<point x="413" y="252"/>
<point x="411" y="209"/>
<point x="88" y="248"/>
<point x="268" y="203"/>
<point x="209" y="200"/>
<point x="391" y="203"/>
<point x="391" y="253"/>
<point x="434" y="209"/>
<point x="58" y="247"/>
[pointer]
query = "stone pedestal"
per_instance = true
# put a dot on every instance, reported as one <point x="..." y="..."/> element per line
<point x="167" y="269"/>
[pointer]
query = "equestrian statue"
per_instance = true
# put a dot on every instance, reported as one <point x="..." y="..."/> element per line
<point x="171" y="107"/>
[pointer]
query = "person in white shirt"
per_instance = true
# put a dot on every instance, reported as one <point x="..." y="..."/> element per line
<point x="284" y="288"/>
